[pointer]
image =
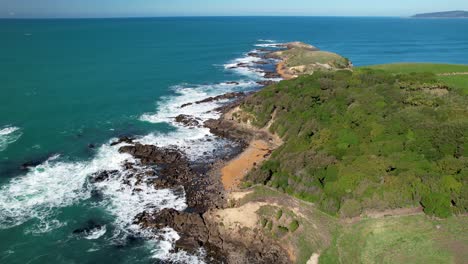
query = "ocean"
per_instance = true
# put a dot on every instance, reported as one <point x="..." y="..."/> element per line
<point x="70" y="87"/>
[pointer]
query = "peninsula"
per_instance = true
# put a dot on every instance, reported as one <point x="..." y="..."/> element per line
<point x="448" y="14"/>
<point x="338" y="164"/>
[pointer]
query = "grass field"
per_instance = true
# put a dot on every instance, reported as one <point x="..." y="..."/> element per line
<point x="454" y="81"/>
<point x="402" y="239"/>
<point x="420" y="67"/>
<point x="406" y="239"/>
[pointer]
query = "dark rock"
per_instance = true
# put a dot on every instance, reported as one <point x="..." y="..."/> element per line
<point x="232" y="82"/>
<point x="226" y="129"/>
<point x="35" y="162"/>
<point x="102" y="176"/>
<point x="187" y="104"/>
<point x="187" y="120"/>
<point x="243" y="65"/>
<point x="123" y="139"/>
<point x="266" y="83"/>
<point x="226" y="96"/>
<point x="91" y="146"/>
<point x="261" y="62"/>
<point x="253" y="54"/>
<point x="197" y="231"/>
<point x="271" y="75"/>
<point x="149" y="154"/>
<point x="89" y="227"/>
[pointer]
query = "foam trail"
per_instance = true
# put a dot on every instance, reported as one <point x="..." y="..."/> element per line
<point x="96" y="233"/>
<point x="8" y="135"/>
<point x="266" y="40"/>
<point x="169" y="107"/>
<point x="269" y="45"/>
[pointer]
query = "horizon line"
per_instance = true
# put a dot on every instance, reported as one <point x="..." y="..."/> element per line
<point x="196" y="16"/>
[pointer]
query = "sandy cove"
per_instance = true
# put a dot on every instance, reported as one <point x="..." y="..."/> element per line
<point x="283" y="72"/>
<point x="258" y="150"/>
<point x="235" y="170"/>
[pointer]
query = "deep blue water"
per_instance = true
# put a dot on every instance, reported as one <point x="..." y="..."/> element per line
<point x="65" y="84"/>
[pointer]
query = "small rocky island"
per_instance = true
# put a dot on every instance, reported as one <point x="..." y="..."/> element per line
<point x="448" y="14"/>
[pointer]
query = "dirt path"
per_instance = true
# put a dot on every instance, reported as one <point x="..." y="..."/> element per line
<point x="386" y="213"/>
<point x="452" y="73"/>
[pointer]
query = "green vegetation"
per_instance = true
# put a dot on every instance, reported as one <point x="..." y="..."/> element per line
<point x="459" y="81"/>
<point x="409" y="239"/>
<point x="298" y="56"/>
<point x="400" y="239"/>
<point x="279" y="213"/>
<point x="368" y="139"/>
<point x="294" y="225"/>
<point x="420" y="67"/>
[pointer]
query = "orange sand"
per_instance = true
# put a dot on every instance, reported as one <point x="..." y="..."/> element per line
<point x="281" y="70"/>
<point x="236" y="169"/>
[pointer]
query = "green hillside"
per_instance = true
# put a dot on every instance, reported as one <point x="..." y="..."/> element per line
<point x="372" y="139"/>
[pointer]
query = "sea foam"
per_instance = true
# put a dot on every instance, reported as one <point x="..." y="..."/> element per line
<point x="60" y="183"/>
<point x="9" y="135"/>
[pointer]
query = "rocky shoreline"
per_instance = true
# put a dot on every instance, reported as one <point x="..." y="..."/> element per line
<point x="199" y="225"/>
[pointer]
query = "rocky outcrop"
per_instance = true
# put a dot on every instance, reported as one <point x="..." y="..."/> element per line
<point x="174" y="170"/>
<point x="187" y="120"/>
<point x="149" y="154"/>
<point x="199" y="230"/>
<point x="124" y="139"/>
<point x="271" y="75"/>
<point x="226" y="96"/>
<point x="226" y="129"/>
<point x="266" y="83"/>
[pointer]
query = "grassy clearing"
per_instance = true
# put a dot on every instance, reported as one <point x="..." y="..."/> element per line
<point x="306" y="230"/>
<point x="420" y="67"/>
<point x="298" y="225"/>
<point x="302" y="56"/>
<point x="409" y="239"/>
<point x="458" y="82"/>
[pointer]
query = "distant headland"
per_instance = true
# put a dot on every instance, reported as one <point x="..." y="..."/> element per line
<point x="448" y="14"/>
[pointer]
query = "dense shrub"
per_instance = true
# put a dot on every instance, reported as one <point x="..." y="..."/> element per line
<point x="366" y="140"/>
<point x="437" y="204"/>
<point x="293" y="226"/>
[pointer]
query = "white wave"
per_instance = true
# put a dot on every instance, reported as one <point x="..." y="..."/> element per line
<point x="266" y="40"/>
<point x="51" y="185"/>
<point x="170" y="106"/>
<point x="194" y="141"/>
<point x="125" y="200"/>
<point x="164" y="250"/>
<point x="269" y="45"/>
<point x="45" y="226"/>
<point x="96" y="233"/>
<point x="9" y="135"/>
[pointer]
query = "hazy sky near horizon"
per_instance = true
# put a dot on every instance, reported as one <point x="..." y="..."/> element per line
<point x="124" y="8"/>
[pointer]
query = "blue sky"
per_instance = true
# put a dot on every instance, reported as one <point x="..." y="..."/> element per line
<point x="124" y="8"/>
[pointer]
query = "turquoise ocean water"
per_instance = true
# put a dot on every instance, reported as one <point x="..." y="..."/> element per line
<point x="66" y="84"/>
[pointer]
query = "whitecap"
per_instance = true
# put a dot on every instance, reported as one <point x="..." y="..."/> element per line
<point x="53" y="184"/>
<point x="164" y="249"/>
<point x="96" y="233"/>
<point x="9" y="135"/>
<point x="266" y="40"/>
<point x="269" y="45"/>
<point x="170" y="106"/>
